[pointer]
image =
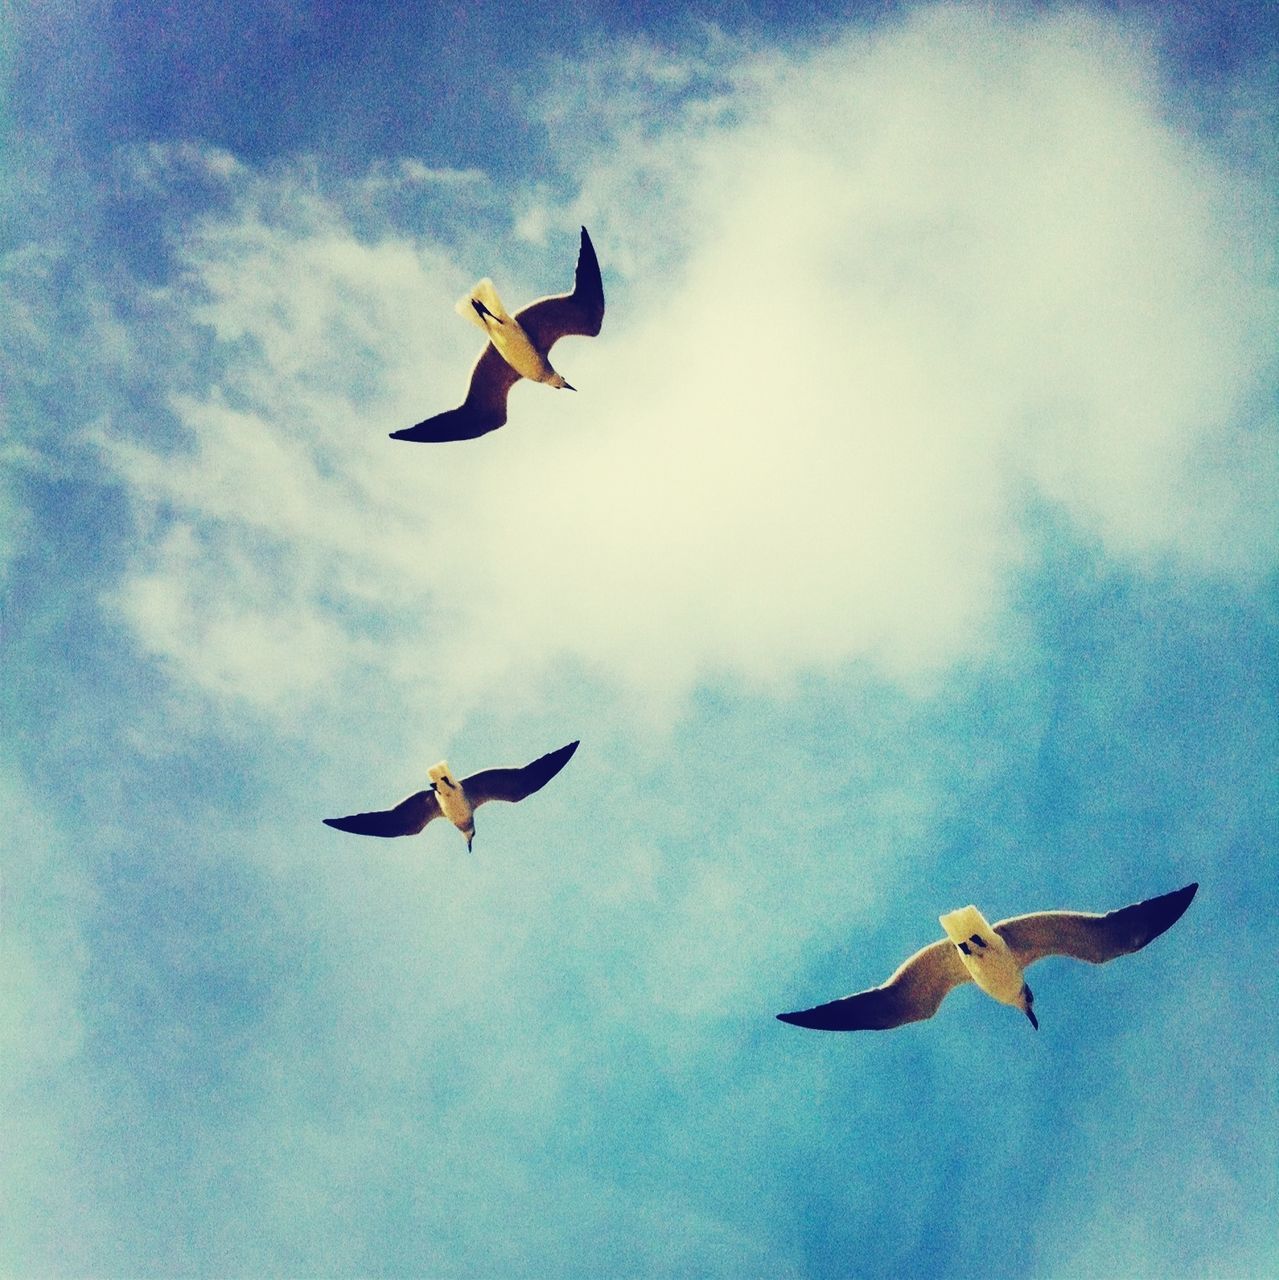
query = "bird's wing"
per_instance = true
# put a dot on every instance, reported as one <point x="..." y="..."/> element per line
<point x="1092" y="937"/>
<point x="515" y="784"/>
<point x="406" y="819"/>
<point x="582" y="311"/>
<point x="913" y="993"/>
<point x="483" y="410"/>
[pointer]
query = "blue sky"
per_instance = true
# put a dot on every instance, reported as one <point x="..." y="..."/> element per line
<point x="909" y="543"/>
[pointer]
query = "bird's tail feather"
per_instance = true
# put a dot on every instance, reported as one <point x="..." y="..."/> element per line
<point x="484" y="293"/>
<point x="962" y="924"/>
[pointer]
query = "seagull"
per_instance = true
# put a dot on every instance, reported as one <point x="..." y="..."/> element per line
<point x="993" y="958"/>
<point x="518" y="348"/>
<point x="454" y="800"/>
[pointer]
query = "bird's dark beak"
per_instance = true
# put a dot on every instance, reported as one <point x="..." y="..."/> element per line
<point x="1034" y="1022"/>
<point x="568" y="388"/>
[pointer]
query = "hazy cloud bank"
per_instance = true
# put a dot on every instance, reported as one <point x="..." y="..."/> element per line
<point x="924" y="282"/>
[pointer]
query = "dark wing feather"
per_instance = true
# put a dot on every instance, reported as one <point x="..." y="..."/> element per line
<point x="483" y="410"/>
<point x="1093" y="938"/>
<point x="515" y="784"/>
<point x="406" y="819"/>
<point x="581" y="312"/>
<point x="913" y="993"/>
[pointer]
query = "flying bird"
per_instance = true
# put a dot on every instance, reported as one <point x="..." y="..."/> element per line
<point x="519" y="347"/>
<point x="454" y="800"/>
<point x="994" y="958"/>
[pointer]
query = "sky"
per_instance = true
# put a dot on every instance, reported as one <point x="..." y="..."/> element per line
<point x="911" y="541"/>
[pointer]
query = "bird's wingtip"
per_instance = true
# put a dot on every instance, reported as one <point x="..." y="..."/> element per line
<point x="797" y="1018"/>
<point x="414" y="435"/>
<point x="1158" y="915"/>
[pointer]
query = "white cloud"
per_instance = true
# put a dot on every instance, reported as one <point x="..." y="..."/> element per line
<point x="155" y="166"/>
<point x="415" y="171"/>
<point x="257" y="641"/>
<point x="866" y="308"/>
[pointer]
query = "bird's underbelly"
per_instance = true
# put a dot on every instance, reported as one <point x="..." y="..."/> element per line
<point x="453" y="804"/>
<point x="998" y="975"/>
<point x="514" y="346"/>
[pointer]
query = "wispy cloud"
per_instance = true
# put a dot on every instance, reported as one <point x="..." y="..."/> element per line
<point x="924" y="283"/>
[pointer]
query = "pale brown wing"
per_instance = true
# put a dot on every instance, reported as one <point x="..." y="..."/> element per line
<point x="483" y="410"/>
<point x="515" y="784"/>
<point x="406" y="819"/>
<point x="548" y="320"/>
<point x="1094" y="938"/>
<point x="913" y="993"/>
